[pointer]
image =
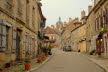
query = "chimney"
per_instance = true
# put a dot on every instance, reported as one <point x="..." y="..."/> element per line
<point x="94" y="2"/>
<point x="89" y="9"/>
<point x="70" y="19"/>
<point x="83" y="13"/>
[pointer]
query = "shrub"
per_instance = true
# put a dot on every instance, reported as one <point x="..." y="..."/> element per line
<point x="93" y="51"/>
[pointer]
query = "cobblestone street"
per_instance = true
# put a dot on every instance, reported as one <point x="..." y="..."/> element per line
<point x="69" y="62"/>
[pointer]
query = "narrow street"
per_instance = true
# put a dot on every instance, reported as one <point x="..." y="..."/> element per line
<point x="68" y="62"/>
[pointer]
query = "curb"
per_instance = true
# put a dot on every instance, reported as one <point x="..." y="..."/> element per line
<point x="97" y="64"/>
<point x="41" y="64"/>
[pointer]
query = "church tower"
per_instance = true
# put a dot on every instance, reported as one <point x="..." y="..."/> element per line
<point x="59" y="25"/>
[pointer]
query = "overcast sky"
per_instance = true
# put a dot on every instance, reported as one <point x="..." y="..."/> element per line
<point x="53" y="9"/>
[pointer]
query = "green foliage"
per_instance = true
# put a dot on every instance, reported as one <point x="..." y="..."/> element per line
<point x="99" y="52"/>
<point x="92" y="52"/>
<point x="27" y="59"/>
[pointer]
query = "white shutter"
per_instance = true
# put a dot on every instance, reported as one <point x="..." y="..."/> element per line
<point x="14" y="40"/>
<point x="24" y="42"/>
<point x="3" y="37"/>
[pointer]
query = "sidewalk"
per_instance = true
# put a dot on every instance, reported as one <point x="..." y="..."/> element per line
<point x="20" y="66"/>
<point x="102" y="62"/>
<point x="40" y="64"/>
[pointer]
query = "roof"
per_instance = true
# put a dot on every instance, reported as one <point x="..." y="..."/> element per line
<point x="49" y="30"/>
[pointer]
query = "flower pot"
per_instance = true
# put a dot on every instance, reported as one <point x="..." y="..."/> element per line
<point x="1" y="70"/>
<point x="7" y="65"/>
<point x="39" y="60"/>
<point x="27" y="67"/>
<point x="43" y="58"/>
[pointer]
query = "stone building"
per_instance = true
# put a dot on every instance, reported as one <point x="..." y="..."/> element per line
<point x="66" y="32"/>
<point x="96" y="32"/>
<point x="90" y="33"/>
<point x="59" y="25"/>
<point x="20" y="22"/>
<point x="101" y="27"/>
<point x="53" y="37"/>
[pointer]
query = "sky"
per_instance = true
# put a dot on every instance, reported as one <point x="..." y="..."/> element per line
<point x="53" y="9"/>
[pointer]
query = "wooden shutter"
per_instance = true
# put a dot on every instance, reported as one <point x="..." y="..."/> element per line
<point x="14" y="39"/>
<point x="24" y="42"/>
<point x="3" y="37"/>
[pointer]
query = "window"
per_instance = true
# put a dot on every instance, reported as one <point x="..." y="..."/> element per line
<point x="19" y="7"/>
<point x="14" y="39"/>
<point x="30" y="45"/>
<point x="9" y="3"/>
<point x="33" y="17"/>
<point x="24" y="43"/>
<point x="3" y="42"/>
<point x="27" y="9"/>
<point x="7" y="36"/>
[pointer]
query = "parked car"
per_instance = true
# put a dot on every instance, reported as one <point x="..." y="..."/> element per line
<point x="67" y="48"/>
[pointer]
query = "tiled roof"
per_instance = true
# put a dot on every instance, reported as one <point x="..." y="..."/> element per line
<point x="49" y="30"/>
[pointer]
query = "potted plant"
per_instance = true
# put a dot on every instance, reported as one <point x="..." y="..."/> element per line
<point x="39" y="60"/>
<point x="27" y="61"/>
<point x="92" y="52"/>
<point x="45" y="50"/>
<point x="43" y="58"/>
<point x="1" y="70"/>
<point x="99" y="53"/>
<point x="49" y="50"/>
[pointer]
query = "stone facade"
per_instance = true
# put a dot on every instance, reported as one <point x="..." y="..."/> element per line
<point x="101" y="27"/>
<point x="66" y="34"/>
<point x="97" y="27"/>
<point x="53" y="37"/>
<point x="19" y="25"/>
<point x="78" y="38"/>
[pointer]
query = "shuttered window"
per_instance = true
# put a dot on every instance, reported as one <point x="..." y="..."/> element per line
<point x="101" y="21"/>
<point x="7" y="36"/>
<point x="24" y="42"/>
<point x="14" y="40"/>
<point x="30" y="44"/>
<point x="2" y="36"/>
<point x="107" y="15"/>
<point x="19" y="7"/>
